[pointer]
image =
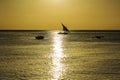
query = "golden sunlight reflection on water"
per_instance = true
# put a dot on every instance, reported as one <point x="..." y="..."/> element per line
<point x="58" y="67"/>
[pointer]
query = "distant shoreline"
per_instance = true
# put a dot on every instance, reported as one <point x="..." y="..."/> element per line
<point x="59" y="30"/>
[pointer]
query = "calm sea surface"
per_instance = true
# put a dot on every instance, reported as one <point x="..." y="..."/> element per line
<point x="76" y="56"/>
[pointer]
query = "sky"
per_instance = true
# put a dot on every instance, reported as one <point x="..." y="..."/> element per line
<point x="49" y="14"/>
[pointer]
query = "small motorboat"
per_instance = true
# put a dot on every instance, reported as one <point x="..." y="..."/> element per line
<point x="39" y="37"/>
<point x="99" y="37"/>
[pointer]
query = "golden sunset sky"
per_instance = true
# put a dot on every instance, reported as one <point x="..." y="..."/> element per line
<point x="48" y="14"/>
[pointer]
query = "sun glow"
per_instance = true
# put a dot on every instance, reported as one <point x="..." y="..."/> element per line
<point x="55" y="2"/>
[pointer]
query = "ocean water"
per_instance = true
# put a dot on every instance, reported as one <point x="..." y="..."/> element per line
<point x="76" y="56"/>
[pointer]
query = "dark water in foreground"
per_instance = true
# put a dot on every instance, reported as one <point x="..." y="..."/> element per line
<point x="76" y="56"/>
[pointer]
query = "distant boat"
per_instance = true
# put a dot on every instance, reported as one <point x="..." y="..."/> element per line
<point x="39" y="37"/>
<point x="98" y="37"/>
<point x="65" y="30"/>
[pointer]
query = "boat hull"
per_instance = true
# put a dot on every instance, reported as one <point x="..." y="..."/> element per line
<point x="39" y="37"/>
<point x="62" y="33"/>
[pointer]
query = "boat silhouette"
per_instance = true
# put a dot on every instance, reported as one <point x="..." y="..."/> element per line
<point x="99" y="37"/>
<point x="65" y="29"/>
<point x="39" y="37"/>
